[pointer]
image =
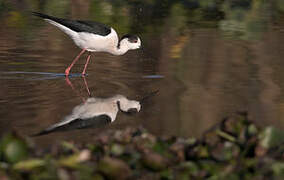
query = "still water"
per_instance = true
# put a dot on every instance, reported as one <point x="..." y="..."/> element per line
<point x="206" y="60"/>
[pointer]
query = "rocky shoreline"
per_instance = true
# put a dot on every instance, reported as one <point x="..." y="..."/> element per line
<point x="235" y="148"/>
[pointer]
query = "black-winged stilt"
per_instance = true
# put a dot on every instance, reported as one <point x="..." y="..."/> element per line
<point x="93" y="37"/>
<point x="95" y="112"/>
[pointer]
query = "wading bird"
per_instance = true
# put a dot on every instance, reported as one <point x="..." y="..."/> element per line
<point x="92" y="37"/>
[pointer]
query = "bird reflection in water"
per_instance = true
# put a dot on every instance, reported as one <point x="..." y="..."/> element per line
<point x="96" y="112"/>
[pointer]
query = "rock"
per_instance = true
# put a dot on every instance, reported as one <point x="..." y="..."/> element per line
<point x="154" y="161"/>
<point x="74" y="160"/>
<point x="188" y="167"/>
<point x="114" y="168"/>
<point x="13" y="149"/>
<point x="28" y="165"/>
<point x="278" y="169"/>
<point x="63" y="174"/>
<point x="84" y="155"/>
<point x="117" y="149"/>
<point x="271" y="137"/>
<point x="260" y="151"/>
<point x="178" y="150"/>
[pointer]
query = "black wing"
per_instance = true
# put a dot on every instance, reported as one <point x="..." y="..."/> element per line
<point x="94" y="122"/>
<point x="78" y="25"/>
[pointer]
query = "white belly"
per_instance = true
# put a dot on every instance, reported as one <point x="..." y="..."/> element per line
<point x="93" y="42"/>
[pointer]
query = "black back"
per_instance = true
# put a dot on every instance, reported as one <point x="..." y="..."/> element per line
<point x="94" y="122"/>
<point x="78" y="25"/>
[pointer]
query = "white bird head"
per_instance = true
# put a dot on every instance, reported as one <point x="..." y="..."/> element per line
<point x="126" y="105"/>
<point x="130" y="41"/>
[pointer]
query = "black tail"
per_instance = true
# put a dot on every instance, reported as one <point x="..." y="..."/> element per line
<point x="43" y="132"/>
<point x="45" y="16"/>
<point x="40" y="133"/>
<point x="41" y="15"/>
<point x="58" y="20"/>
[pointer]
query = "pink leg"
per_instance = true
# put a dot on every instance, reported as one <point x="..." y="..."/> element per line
<point x="73" y="88"/>
<point x="74" y="61"/>
<point x="87" y="62"/>
<point x="86" y="85"/>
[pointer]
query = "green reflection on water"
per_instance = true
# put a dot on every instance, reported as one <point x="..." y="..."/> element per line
<point x="243" y="19"/>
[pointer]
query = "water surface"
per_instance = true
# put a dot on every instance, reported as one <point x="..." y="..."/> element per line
<point x="207" y="61"/>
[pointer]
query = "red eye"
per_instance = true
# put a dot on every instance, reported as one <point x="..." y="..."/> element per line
<point x="134" y="41"/>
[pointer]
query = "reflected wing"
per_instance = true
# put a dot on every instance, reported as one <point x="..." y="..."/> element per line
<point x="94" y="122"/>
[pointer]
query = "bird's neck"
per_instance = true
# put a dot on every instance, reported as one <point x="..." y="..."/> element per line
<point x="120" y="49"/>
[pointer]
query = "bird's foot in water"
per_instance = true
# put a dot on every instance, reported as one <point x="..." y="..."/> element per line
<point x="84" y="74"/>
<point x="67" y="71"/>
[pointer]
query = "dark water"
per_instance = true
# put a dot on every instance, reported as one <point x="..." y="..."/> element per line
<point x="207" y="60"/>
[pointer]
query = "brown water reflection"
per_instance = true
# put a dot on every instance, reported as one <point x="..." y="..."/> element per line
<point x="207" y="72"/>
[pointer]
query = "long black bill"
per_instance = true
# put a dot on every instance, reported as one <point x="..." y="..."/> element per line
<point x="143" y="99"/>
